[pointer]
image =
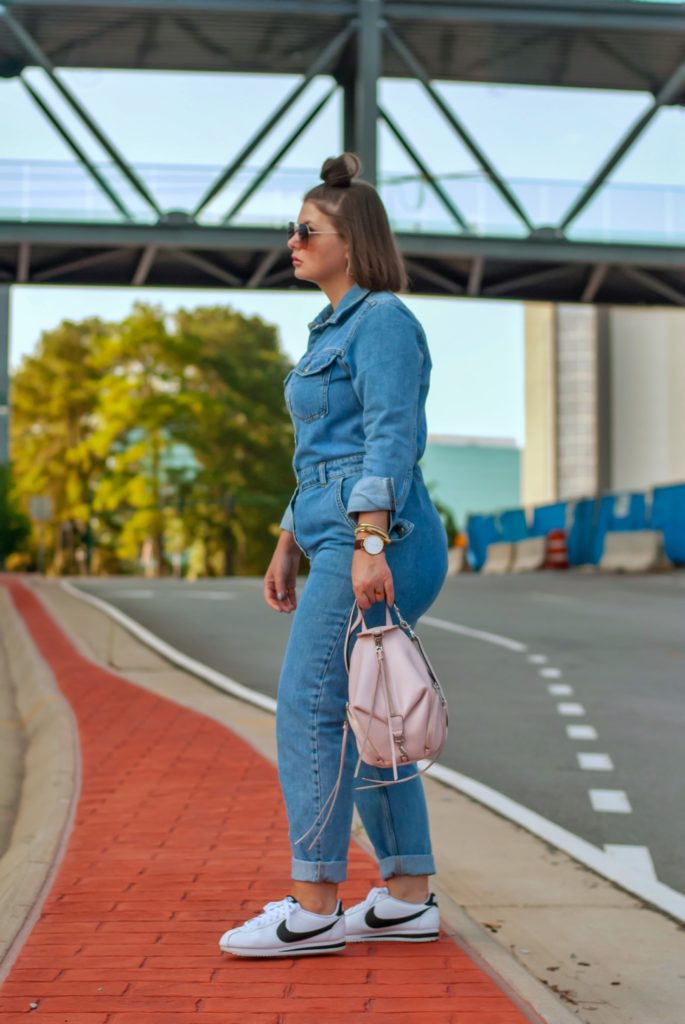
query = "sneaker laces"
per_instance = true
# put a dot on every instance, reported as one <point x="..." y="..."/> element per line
<point x="271" y="912"/>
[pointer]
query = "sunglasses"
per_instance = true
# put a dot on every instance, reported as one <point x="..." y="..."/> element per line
<point x="303" y="232"/>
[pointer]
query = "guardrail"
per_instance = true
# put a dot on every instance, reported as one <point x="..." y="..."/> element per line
<point x="587" y="522"/>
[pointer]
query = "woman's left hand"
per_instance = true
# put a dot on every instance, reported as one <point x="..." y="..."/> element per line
<point x="371" y="579"/>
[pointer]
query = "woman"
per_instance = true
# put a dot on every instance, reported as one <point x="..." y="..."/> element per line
<point x="357" y="401"/>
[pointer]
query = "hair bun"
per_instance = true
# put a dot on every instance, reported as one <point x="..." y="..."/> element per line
<point x="339" y="171"/>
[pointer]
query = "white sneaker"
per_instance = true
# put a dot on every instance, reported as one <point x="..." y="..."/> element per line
<point x="382" y="916"/>
<point x="284" y="928"/>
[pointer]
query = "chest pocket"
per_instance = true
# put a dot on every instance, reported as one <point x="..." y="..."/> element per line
<point x="306" y="386"/>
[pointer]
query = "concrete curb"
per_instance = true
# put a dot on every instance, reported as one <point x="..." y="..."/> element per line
<point x="50" y="786"/>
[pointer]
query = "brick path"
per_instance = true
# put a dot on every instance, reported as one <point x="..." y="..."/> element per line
<point x="180" y="833"/>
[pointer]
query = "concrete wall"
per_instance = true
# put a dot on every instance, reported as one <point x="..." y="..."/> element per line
<point x="647" y="383"/>
<point x="605" y="405"/>
<point x="539" y="460"/>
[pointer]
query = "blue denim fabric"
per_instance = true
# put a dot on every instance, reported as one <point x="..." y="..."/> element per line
<point x="360" y="429"/>
<point x="360" y="388"/>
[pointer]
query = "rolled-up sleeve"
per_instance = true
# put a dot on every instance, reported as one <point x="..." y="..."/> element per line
<point x="385" y="359"/>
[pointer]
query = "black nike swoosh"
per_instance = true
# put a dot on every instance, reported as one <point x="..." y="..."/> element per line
<point x="285" y="935"/>
<point x="379" y="922"/>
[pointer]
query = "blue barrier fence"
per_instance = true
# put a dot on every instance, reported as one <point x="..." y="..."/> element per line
<point x="587" y="522"/>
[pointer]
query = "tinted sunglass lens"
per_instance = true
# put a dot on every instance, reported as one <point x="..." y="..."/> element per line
<point x="302" y="231"/>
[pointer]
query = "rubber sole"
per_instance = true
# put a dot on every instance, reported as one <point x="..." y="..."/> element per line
<point x="284" y="952"/>
<point x="394" y="937"/>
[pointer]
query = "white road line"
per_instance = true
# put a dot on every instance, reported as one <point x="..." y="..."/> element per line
<point x="570" y="708"/>
<point x="537" y="659"/>
<point x="477" y="634"/>
<point x="129" y="594"/>
<point x="560" y="689"/>
<point x="177" y="657"/>
<point x="636" y="857"/>
<point x="613" y="868"/>
<point x="550" y="673"/>
<point x="592" y="762"/>
<point x="612" y="801"/>
<point x="581" y="732"/>
<point x="210" y="595"/>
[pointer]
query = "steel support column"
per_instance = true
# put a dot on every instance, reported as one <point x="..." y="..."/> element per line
<point x="368" y="73"/>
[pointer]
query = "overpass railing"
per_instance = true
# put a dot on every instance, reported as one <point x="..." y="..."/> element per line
<point x="54" y="190"/>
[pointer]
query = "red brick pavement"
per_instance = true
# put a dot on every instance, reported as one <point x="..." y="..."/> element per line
<point x="179" y="834"/>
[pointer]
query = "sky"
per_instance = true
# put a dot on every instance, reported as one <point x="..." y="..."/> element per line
<point x="555" y="137"/>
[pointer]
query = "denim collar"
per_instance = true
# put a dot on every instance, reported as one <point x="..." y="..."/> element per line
<point x="330" y="316"/>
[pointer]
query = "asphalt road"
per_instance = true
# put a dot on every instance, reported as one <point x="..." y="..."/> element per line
<point x="615" y="645"/>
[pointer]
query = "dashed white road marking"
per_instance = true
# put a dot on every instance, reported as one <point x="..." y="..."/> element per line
<point x="613" y="801"/>
<point x="128" y="594"/>
<point x="581" y="732"/>
<point x="211" y="595"/>
<point x="537" y="659"/>
<point x="636" y="857"/>
<point x="591" y="762"/>
<point x="560" y="689"/>
<point x="550" y="673"/>
<point x="570" y="708"/>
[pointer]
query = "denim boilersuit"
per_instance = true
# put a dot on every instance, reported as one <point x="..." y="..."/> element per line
<point x="357" y="401"/>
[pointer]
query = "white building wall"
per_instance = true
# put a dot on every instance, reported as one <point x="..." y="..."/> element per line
<point x="647" y="360"/>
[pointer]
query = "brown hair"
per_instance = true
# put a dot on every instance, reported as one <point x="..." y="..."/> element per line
<point x="358" y="213"/>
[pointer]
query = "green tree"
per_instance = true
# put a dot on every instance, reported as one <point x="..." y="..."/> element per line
<point x="232" y="415"/>
<point x="15" y="525"/>
<point x="54" y="398"/>
<point x="162" y="431"/>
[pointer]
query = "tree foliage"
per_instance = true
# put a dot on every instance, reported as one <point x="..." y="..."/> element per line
<point x="161" y="434"/>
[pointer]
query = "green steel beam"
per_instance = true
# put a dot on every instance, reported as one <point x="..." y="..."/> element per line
<point x="323" y="61"/>
<point x="278" y="155"/>
<point x="76" y="149"/>
<point x="428" y="177"/>
<point x="420" y="73"/>
<point x="572" y="14"/>
<point x="37" y="55"/>
<point x="207" y="238"/>
<point x="671" y="89"/>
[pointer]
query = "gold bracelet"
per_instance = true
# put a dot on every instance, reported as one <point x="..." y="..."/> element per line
<point x="372" y="528"/>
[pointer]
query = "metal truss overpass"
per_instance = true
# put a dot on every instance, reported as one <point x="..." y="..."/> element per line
<point x="139" y="240"/>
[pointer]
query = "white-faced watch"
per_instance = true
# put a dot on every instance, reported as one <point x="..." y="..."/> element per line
<point x="372" y="543"/>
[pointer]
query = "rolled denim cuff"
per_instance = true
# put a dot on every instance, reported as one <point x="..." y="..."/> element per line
<point x="286" y="522"/>
<point x="372" y="492"/>
<point x="318" y="871"/>
<point x="408" y="864"/>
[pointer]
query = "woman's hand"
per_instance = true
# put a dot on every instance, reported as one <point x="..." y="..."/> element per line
<point x="281" y="576"/>
<point x="371" y="579"/>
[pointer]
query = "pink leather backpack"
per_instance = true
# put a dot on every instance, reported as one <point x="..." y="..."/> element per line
<point x="396" y="706"/>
